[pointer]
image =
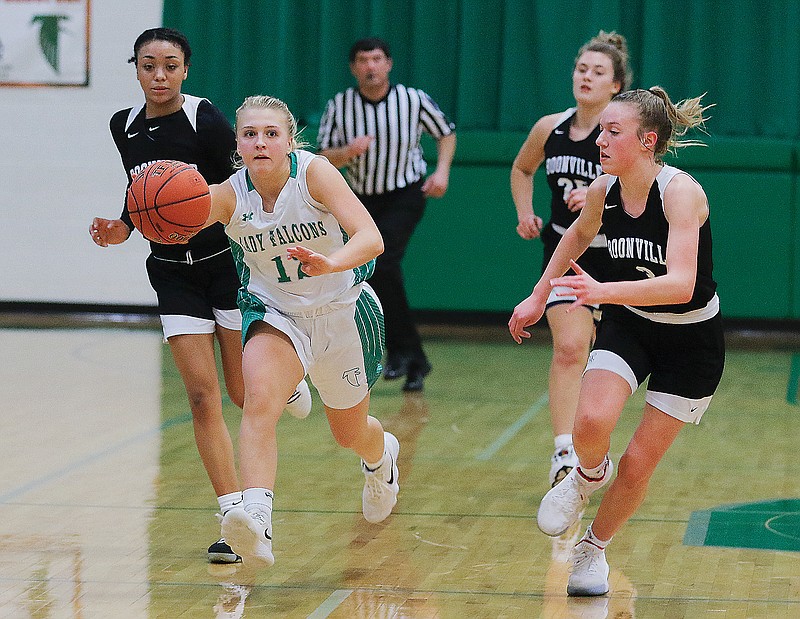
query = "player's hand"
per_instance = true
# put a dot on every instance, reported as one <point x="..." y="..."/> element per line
<point x="529" y="226"/>
<point x="577" y="199"/>
<point x="435" y="185"/>
<point x="311" y="262"/>
<point x="107" y="232"/>
<point x="586" y="290"/>
<point x="528" y="312"/>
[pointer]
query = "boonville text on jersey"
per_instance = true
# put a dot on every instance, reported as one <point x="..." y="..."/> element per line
<point x="638" y="249"/>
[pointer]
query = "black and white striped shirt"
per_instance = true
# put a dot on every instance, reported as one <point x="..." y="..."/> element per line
<point x="394" y="158"/>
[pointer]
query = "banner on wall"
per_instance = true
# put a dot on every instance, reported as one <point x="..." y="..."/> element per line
<point x="44" y="42"/>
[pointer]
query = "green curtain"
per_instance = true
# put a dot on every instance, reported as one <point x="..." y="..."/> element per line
<point x="498" y="65"/>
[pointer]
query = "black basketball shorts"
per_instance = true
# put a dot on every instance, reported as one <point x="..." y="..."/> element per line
<point x="684" y="361"/>
<point x="193" y="297"/>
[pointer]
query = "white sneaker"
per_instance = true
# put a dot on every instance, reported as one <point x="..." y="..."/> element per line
<point x="249" y="536"/>
<point x="562" y="462"/>
<point x="299" y="405"/>
<point x="563" y="504"/>
<point x="589" y="570"/>
<point x="381" y="485"/>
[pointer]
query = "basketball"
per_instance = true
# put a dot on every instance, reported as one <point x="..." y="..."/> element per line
<point x="168" y="202"/>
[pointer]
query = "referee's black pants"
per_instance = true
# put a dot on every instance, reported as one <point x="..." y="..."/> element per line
<point x="397" y="214"/>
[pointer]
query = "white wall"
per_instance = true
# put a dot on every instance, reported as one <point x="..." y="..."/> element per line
<point x="59" y="168"/>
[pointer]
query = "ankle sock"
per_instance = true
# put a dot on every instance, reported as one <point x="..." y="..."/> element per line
<point x="590" y="537"/>
<point x="374" y="466"/>
<point x="258" y="503"/>
<point x="258" y="498"/>
<point x="596" y="473"/>
<point x="229" y="501"/>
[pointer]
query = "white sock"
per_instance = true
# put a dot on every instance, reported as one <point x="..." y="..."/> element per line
<point x="590" y="537"/>
<point x="597" y="473"/>
<point x="562" y="441"/>
<point x="258" y="503"/>
<point x="374" y="466"/>
<point x="258" y="499"/>
<point x="229" y="501"/>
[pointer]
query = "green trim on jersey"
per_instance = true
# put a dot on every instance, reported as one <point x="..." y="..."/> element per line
<point x="241" y="267"/>
<point x="369" y="322"/>
<point x="244" y="277"/>
<point x="364" y="272"/>
<point x="292" y="172"/>
<point x="361" y="273"/>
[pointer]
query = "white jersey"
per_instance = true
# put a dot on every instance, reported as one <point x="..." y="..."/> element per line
<point x="259" y="241"/>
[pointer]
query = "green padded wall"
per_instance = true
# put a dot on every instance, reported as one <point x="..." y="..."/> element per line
<point x="500" y="64"/>
<point x="495" y="66"/>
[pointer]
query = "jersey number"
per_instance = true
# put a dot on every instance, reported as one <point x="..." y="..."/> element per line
<point x="568" y="184"/>
<point x="283" y="277"/>
<point x="646" y="271"/>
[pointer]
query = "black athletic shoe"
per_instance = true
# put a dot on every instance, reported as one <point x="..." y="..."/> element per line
<point x="396" y="367"/>
<point x="415" y="378"/>
<point x="220" y="552"/>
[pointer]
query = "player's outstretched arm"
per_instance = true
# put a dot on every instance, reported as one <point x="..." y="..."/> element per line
<point x="223" y="203"/>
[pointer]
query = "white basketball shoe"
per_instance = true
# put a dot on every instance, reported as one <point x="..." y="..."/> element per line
<point x="381" y="485"/>
<point x="250" y="536"/>
<point x="299" y="405"/>
<point x="564" y="503"/>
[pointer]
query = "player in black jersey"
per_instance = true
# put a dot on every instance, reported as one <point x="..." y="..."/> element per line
<point x="660" y="318"/>
<point x="196" y="283"/>
<point x="565" y="144"/>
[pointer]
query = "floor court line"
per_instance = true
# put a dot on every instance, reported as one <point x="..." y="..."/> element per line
<point x="333" y="601"/>
<point x="513" y="429"/>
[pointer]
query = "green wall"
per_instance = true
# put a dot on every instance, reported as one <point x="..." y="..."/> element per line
<point x="495" y="66"/>
<point x="500" y="64"/>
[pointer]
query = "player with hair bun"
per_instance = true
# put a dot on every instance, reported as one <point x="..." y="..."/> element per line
<point x="560" y="141"/>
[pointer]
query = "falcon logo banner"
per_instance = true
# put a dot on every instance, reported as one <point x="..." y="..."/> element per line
<point x="44" y="42"/>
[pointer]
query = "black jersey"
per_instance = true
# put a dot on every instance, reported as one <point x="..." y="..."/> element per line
<point x="568" y="165"/>
<point x="638" y="245"/>
<point x="197" y="134"/>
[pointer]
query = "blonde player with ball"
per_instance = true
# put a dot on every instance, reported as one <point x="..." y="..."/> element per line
<point x="303" y="244"/>
<point x="195" y="283"/>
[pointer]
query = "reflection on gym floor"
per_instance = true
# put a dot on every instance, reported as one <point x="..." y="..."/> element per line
<point x="80" y="445"/>
<point x="106" y="511"/>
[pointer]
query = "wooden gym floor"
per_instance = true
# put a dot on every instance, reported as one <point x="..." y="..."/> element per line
<point x="105" y="510"/>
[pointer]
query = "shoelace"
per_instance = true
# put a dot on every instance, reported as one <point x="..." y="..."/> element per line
<point x="571" y="488"/>
<point x="586" y="554"/>
<point x="376" y="488"/>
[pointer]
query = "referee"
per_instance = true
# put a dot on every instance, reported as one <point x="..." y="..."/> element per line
<point x="373" y="131"/>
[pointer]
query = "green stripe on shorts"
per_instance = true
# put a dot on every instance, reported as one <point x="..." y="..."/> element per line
<point x="252" y="310"/>
<point x="369" y="322"/>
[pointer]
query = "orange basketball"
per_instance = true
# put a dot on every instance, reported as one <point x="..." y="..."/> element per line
<point x="168" y="202"/>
